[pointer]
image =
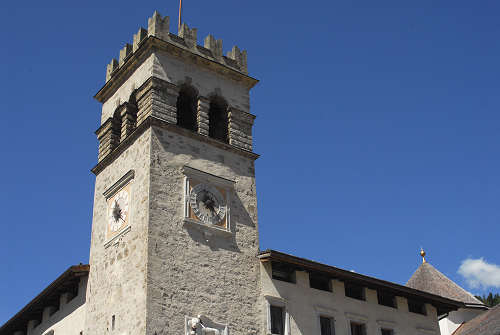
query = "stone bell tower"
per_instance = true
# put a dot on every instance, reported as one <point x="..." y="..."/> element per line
<point x="174" y="231"/>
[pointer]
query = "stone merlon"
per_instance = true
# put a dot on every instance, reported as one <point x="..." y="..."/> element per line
<point x="159" y="27"/>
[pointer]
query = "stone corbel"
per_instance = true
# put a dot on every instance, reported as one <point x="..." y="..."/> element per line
<point x="240" y="128"/>
<point x="157" y="97"/>
<point x="108" y="138"/>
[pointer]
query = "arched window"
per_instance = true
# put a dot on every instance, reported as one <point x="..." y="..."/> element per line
<point x="186" y="108"/>
<point x="116" y="128"/>
<point x="132" y="107"/>
<point x="218" y="119"/>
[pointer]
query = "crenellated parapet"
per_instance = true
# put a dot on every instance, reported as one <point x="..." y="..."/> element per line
<point x="159" y="27"/>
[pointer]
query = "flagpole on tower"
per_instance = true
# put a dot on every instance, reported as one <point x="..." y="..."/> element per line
<point x="180" y="16"/>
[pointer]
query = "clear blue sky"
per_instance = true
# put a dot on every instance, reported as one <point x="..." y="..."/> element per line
<point x="377" y="122"/>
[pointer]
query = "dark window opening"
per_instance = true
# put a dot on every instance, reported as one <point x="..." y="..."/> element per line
<point x="326" y="326"/>
<point x="354" y="291"/>
<point x="386" y="299"/>
<point x="283" y="272"/>
<point x="187" y="108"/>
<point x="358" y="328"/>
<point x="116" y="126"/>
<point x="320" y="282"/>
<point x="72" y="293"/>
<point x="113" y="322"/>
<point x="218" y="119"/>
<point x="277" y="320"/>
<point x="132" y="109"/>
<point x="387" y="331"/>
<point x="416" y="307"/>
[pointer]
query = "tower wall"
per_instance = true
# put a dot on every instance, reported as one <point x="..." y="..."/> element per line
<point x="117" y="279"/>
<point x="188" y="273"/>
<point x="164" y="270"/>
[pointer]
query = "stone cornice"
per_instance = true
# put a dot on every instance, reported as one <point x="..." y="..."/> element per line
<point x="152" y="44"/>
<point x="152" y="121"/>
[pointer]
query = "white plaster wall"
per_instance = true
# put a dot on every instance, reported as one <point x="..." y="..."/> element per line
<point x="305" y="305"/>
<point x="449" y="324"/>
<point x="69" y="319"/>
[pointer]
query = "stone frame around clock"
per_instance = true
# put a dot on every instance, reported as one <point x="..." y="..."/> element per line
<point x="123" y="182"/>
<point x="216" y="181"/>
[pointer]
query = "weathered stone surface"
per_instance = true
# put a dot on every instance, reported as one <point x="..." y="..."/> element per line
<point x="240" y="128"/>
<point x="159" y="27"/>
<point x="138" y="38"/>
<point x="163" y="270"/>
<point x="202" y="116"/>
<point x="124" y="53"/>
<point x="188" y="275"/>
<point x="117" y="280"/>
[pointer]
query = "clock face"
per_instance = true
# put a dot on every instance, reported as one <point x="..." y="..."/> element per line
<point x="208" y="204"/>
<point x="118" y="210"/>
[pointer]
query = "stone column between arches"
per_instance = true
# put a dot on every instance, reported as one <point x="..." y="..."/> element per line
<point x="202" y="115"/>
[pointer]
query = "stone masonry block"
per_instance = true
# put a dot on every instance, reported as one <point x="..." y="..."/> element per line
<point x="159" y="27"/>
<point x="112" y="66"/>
<point x="215" y="46"/>
<point x="202" y="115"/>
<point x="128" y="115"/>
<point x="138" y="38"/>
<point x="189" y="35"/>
<point x="240" y="128"/>
<point x="240" y="57"/>
<point x="124" y="53"/>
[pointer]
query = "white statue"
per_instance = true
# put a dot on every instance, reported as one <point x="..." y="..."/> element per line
<point x="195" y="326"/>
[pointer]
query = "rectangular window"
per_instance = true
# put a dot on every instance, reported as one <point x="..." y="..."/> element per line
<point x="386" y="331"/>
<point x="283" y="272"/>
<point x="386" y="299"/>
<point x="416" y="307"/>
<point x="354" y="291"/>
<point x="326" y="325"/>
<point x="277" y="320"/>
<point x="320" y="282"/>
<point x="358" y="328"/>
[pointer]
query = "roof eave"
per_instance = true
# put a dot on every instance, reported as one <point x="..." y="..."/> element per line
<point x="443" y="304"/>
<point x="71" y="272"/>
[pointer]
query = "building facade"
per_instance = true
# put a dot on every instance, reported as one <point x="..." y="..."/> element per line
<point x="174" y="246"/>
<point x="428" y="278"/>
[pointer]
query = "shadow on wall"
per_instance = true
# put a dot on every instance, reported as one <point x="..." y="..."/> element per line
<point x="186" y="148"/>
<point x="222" y="240"/>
